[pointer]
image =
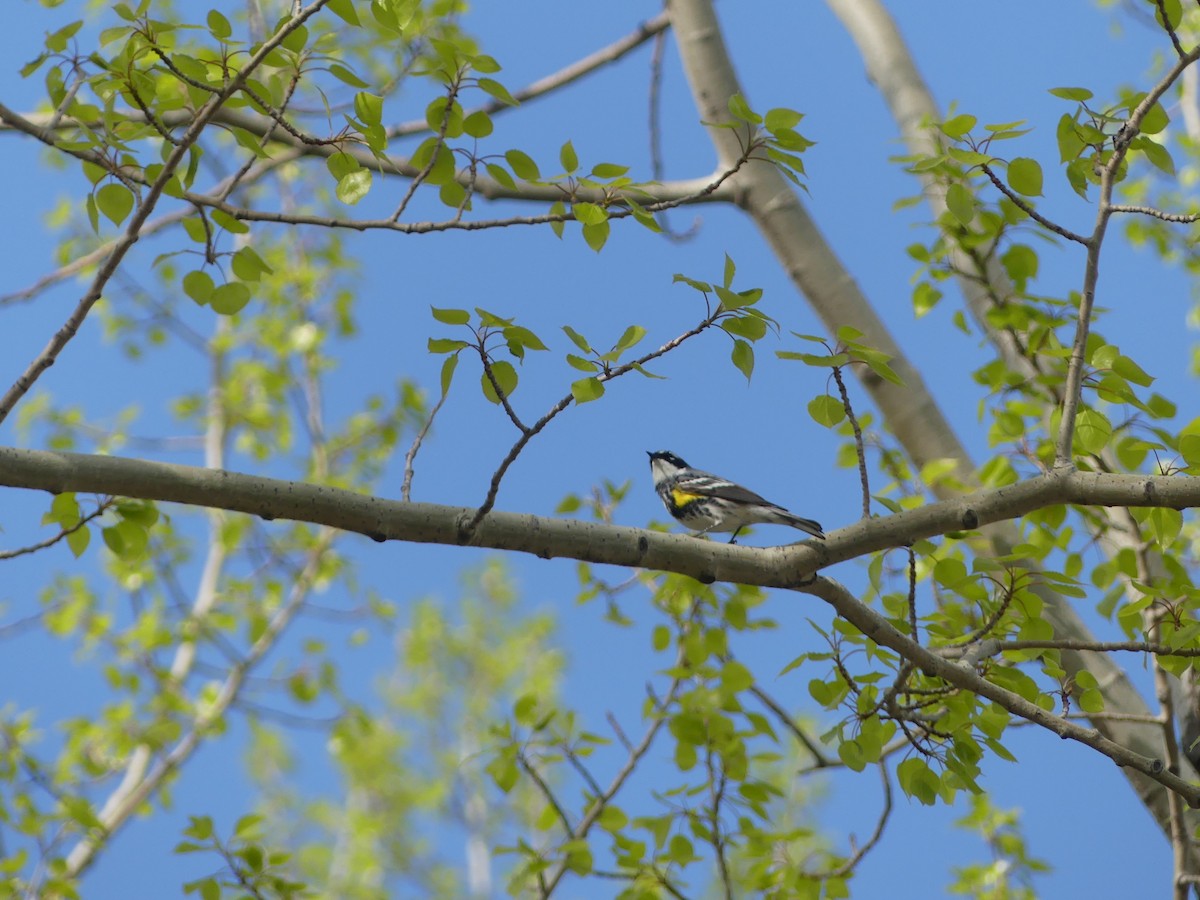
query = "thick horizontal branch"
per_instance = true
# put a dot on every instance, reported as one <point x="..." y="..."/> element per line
<point x="546" y="537"/>
<point x="384" y="520"/>
<point x="708" y="561"/>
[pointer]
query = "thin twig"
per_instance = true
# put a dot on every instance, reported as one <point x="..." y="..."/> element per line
<point x="546" y="792"/>
<point x="1166" y="25"/>
<point x="1022" y="204"/>
<point x="559" y="79"/>
<point x="819" y="758"/>
<point x="912" y="593"/>
<point x="62" y="535"/>
<point x="532" y="431"/>
<point x="858" y="442"/>
<point x="600" y="803"/>
<point x="857" y="856"/>
<point x="411" y="456"/>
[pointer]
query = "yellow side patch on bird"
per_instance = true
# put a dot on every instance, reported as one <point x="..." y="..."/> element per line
<point x="682" y="498"/>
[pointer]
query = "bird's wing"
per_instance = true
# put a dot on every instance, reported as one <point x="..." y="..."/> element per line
<point x="706" y="484"/>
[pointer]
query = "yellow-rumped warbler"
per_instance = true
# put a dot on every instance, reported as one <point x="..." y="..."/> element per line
<point x="705" y="502"/>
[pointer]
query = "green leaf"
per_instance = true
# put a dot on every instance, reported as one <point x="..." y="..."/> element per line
<point x="448" y="367"/>
<point x="230" y="298"/>
<point x="353" y="186"/>
<point x="228" y="222"/>
<point x="918" y="780"/>
<point x="1092" y="431"/>
<point x="1072" y="93"/>
<point x="958" y="126"/>
<point x="577" y="339"/>
<point x="730" y="270"/>
<point x="218" y="25"/>
<point x="583" y="365"/>
<point x="632" y="335"/>
<point x="1025" y="176"/>
<point x="341" y="164"/>
<point x="961" y="203"/>
<point x="485" y="64"/>
<point x="1155" y="120"/>
<point x="115" y="201"/>
<point x="344" y="9"/>
<point x="750" y="327"/>
<point x="568" y="158"/>
<point x="343" y="74"/>
<point x="516" y="334"/>
<point x="445" y="345"/>
<point x="57" y="41"/>
<point x="925" y="298"/>
<point x="1165" y="523"/>
<point x="826" y="410"/>
<point x="557" y="208"/>
<point x="522" y="165"/>
<point x="451" y="316"/>
<point x="1173" y="10"/>
<point x="478" y="124"/>
<point x="589" y="213"/>
<point x="741" y="110"/>
<point x="596" y="236"/>
<point x="199" y="286"/>
<point x="504" y="179"/>
<point x="1131" y="371"/>
<point x="743" y="357"/>
<point x="587" y="389"/>
<point x="781" y="118"/>
<point x="1158" y="155"/>
<point x="248" y="265"/>
<point x="506" y="378"/>
<point x="440" y="112"/>
<point x="497" y="90"/>
<point x="608" y="170"/>
<point x="78" y="540"/>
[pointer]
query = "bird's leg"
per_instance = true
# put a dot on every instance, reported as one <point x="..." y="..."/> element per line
<point x="733" y="539"/>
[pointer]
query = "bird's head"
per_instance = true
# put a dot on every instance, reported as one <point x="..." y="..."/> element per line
<point x="664" y="464"/>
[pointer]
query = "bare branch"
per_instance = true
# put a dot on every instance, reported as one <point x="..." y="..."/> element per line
<point x="1180" y="218"/>
<point x="560" y="79"/>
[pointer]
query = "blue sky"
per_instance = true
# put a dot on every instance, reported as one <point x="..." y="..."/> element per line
<point x="992" y="62"/>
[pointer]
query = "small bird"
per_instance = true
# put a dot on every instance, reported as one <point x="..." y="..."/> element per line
<point x="705" y="502"/>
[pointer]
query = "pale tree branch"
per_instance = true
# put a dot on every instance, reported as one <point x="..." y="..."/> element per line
<point x="986" y="287"/>
<point x="707" y="561"/>
<point x="120" y="809"/>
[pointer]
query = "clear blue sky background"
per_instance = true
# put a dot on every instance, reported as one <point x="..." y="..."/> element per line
<point x="995" y="61"/>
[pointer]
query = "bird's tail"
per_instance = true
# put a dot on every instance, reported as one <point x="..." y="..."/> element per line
<point x="806" y="525"/>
